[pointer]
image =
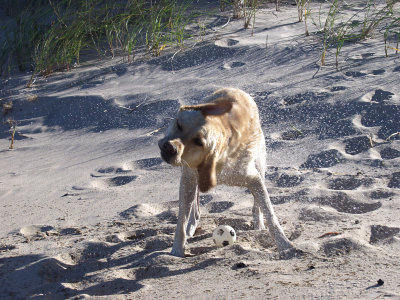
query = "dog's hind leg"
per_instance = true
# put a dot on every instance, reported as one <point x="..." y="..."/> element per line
<point x="194" y="218"/>
<point x="257" y="188"/>
<point x="260" y="165"/>
<point x="258" y="217"/>
<point x="187" y="195"/>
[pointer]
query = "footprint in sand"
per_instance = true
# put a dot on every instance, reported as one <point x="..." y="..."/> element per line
<point x="348" y="183"/>
<point x="6" y="248"/>
<point x="237" y="223"/>
<point x="338" y="88"/>
<point x="111" y="170"/>
<point x="134" y="235"/>
<point x="367" y="54"/>
<point x="232" y="65"/>
<point x="357" y="145"/>
<point x="50" y="269"/>
<point x="384" y="115"/>
<point x="381" y="95"/>
<point x="308" y="96"/>
<point x="318" y="214"/>
<point x="378" y="95"/>
<point x="378" y="72"/>
<point x="381" y="194"/>
<point x="141" y="211"/>
<point x="344" y="203"/>
<point x="355" y="74"/>
<point x="362" y="56"/>
<point x="148" y="163"/>
<point x="70" y="231"/>
<point x="165" y="211"/>
<point x="112" y="181"/>
<point x="205" y="199"/>
<point x="381" y="233"/>
<point x="395" y="181"/>
<point x="262" y="95"/>
<point x="291" y="135"/>
<point x="120" y="180"/>
<point x="389" y="153"/>
<point x="226" y="42"/>
<point x="300" y="195"/>
<point x="159" y="242"/>
<point x="324" y="159"/>
<point x="285" y="180"/>
<point x="337" y="129"/>
<point x="341" y="246"/>
<point x="35" y="231"/>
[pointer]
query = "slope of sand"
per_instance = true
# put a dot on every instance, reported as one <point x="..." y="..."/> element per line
<point x="88" y="209"/>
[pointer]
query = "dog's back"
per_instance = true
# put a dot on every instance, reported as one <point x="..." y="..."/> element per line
<point x="243" y="118"/>
<point x="245" y="142"/>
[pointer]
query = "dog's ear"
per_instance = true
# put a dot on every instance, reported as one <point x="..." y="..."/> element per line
<point x="207" y="174"/>
<point x="211" y="109"/>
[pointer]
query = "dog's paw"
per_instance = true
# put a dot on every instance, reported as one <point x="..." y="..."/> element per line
<point x="191" y="229"/>
<point x="178" y="252"/>
<point x="290" y="253"/>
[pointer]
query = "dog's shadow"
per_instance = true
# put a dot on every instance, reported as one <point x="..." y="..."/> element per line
<point x="55" y="276"/>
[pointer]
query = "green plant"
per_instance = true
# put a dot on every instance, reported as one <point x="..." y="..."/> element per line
<point x="329" y="28"/>
<point x="392" y="31"/>
<point x="307" y="13"/>
<point x="340" y="28"/>
<point x="277" y="5"/>
<point x="50" y="35"/>
<point x="237" y="8"/>
<point x="249" y="12"/>
<point x="301" y="4"/>
<point x="14" y="129"/>
<point x="223" y="4"/>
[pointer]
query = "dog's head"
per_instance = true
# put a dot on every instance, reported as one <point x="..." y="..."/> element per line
<point x="192" y="139"/>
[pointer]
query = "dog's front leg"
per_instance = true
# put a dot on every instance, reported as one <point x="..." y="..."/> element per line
<point x="261" y="197"/>
<point x="194" y="218"/>
<point x="187" y="196"/>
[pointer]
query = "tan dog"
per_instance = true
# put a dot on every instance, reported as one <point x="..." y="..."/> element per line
<point x="219" y="142"/>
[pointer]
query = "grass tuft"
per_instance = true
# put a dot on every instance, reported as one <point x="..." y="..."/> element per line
<point x="47" y="36"/>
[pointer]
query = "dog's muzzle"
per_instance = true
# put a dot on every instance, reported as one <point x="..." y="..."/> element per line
<point x="167" y="150"/>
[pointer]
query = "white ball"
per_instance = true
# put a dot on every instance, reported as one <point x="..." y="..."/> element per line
<point x="224" y="235"/>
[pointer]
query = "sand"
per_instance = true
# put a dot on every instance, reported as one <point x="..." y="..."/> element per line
<point x="88" y="209"/>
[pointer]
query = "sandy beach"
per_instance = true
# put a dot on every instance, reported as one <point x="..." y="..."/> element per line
<point x="88" y="208"/>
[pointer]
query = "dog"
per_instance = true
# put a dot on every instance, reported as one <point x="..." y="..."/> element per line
<point x="219" y="142"/>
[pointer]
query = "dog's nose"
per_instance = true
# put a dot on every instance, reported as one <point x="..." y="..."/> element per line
<point x="167" y="147"/>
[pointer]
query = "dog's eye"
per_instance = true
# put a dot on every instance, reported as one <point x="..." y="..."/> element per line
<point x="179" y="126"/>
<point x="198" y="142"/>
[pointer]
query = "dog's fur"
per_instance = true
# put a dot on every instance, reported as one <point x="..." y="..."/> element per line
<point x="219" y="142"/>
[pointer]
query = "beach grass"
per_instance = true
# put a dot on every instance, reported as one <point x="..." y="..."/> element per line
<point x="44" y="36"/>
<point x="47" y="36"/>
<point x="352" y="23"/>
